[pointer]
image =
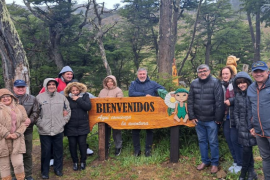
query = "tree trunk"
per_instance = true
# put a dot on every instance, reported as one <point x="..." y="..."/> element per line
<point x="55" y="39"/>
<point x="166" y="50"/>
<point x="207" y="52"/>
<point x="251" y="32"/>
<point x="258" y="37"/>
<point x="14" y="60"/>
<point x="103" y="56"/>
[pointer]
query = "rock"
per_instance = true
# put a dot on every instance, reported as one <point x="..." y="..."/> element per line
<point x="221" y="174"/>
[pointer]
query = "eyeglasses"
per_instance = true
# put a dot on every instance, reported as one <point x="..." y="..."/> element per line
<point x="258" y="64"/>
<point x="5" y="96"/>
<point x="200" y="72"/>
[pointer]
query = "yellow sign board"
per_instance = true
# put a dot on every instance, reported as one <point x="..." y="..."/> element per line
<point x="132" y="113"/>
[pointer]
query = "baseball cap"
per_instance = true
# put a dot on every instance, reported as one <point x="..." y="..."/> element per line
<point x="259" y="65"/>
<point x="19" y="82"/>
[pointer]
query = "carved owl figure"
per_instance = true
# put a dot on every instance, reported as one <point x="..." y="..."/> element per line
<point x="232" y="62"/>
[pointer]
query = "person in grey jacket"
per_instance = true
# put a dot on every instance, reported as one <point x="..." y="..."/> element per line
<point x="258" y="112"/>
<point x="30" y="104"/>
<point x="54" y="114"/>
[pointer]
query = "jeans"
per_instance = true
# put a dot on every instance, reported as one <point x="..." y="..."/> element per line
<point x="264" y="147"/>
<point x="136" y="139"/>
<point x="74" y="141"/>
<point x="46" y="142"/>
<point x="207" y="133"/>
<point x="248" y="161"/>
<point x="231" y="136"/>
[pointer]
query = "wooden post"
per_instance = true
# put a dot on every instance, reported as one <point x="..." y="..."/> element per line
<point x="174" y="144"/>
<point x="245" y="67"/>
<point x="102" y="149"/>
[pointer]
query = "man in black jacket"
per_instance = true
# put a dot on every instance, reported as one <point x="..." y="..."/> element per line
<point x="31" y="106"/>
<point x="206" y="110"/>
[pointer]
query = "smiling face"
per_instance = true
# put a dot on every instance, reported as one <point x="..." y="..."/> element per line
<point x="67" y="76"/>
<point x="142" y="75"/>
<point x="203" y="73"/>
<point x="226" y="75"/>
<point x="243" y="86"/>
<point x="260" y="76"/>
<point x="51" y="86"/>
<point x="19" y="90"/>
<point x="109" y="83"/>
<point x="181" y="97"/>
<point x="6" y="99"/>
<point x="74" y="90"/>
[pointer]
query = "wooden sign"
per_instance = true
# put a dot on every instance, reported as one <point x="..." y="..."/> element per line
<point x="132" y="113"/>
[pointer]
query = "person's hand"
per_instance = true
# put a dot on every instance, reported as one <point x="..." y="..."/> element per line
<point x="8" y="136"/>
<point x="218" y="122"/>
<point x="13" y="136"/>
<point x="65" y="113"/>
<point x="252" y="132"/>
<point x="194" y="121"/>
<point x="227" y="102"/>
<point x="147" y="95"/>
<point x="173" y="112"/>
<point x="74" y="98"/>
<point x="27" y="122"/>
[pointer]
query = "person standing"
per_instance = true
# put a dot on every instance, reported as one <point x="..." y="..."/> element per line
<point x="206" y="110"/>
<point x="110" y="89"/>
<point x="78" y="126"/>
<point x="31" y="106"/>
<point x="12" y="127"/>
<point x="54" y="114"/>
<point x="241" y="83"/>
<point x="258" y="112"/>
<point x="229" y="126"/>
<point x="143" y="86"/>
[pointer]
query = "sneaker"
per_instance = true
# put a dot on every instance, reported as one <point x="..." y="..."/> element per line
<point x="117" y="151"/>
<point x="147" y="153"/>
<point x="51" y="162"/>
<point x="232" y="167"/>
<point x="89" y="151"/>
<point x="237" y="169"/>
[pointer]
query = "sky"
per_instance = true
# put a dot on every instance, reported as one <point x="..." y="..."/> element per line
<point x="108" y="3"/>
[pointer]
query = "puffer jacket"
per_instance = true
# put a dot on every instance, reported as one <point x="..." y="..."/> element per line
<point x="79" y="122"/>
<point x="5" y="127"/>
<point x="206" y="100"/>
<point x="138" y="88"/>
<point x="30" y="104"/>
<point x="51" y="120"/>
<point x="241" y="115"/>
<point x="113" y="92"/>
<point x="231" y="107"/>
<point x="258" y="108"/>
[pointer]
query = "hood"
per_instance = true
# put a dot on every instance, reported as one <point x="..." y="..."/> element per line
<point x="6" y="91"/>
<point x="241" y="74"/>
<point x="80" y="86"/>
<point x="113" y="78"/>
<point x="65" y="69"/>
<point x="46" y="82"/>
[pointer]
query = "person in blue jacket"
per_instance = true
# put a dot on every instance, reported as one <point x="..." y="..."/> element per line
<point x="143" y="86"/>
<point x="258" y="112"/>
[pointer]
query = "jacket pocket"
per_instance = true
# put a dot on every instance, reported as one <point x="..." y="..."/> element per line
<point x="3" y="148"/>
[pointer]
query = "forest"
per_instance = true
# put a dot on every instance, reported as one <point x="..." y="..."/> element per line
<point x="96" y="41"/>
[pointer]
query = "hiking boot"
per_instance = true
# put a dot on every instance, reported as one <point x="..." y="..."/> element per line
<point x="117" y="151"/>
<point x="202" y="166"/>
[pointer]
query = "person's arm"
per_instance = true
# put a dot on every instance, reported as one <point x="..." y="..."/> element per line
<point x="236" y="113"/>
<point x="84" y="102"/>
<point x="175" y="109"/>
<point x="132" y="92"/>
<point x="190" y="103"/>
<point x="21" y="129"/>
<point x="67" y="108"/>
<point x="157" y="87"/>
<point x="249" y="114"/>
<point x="219" y="102"/>
<point x="35" y="112"/>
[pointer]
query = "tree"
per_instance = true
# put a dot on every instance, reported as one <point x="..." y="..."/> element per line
<point x="14" y="60"/>
<point x="60" y="19"/>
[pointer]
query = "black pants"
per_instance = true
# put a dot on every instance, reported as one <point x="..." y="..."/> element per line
<point x="73" y="142"/>
<point x="136" y="139"/>
<point x="46" y="143"/>
<point x="248" y="161"/>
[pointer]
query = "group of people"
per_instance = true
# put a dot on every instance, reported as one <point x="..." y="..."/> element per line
<point x="241" y="107"/>
<point x="61" y="109"/>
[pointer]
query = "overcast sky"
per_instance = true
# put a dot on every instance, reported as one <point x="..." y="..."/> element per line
<point x="108" y="3"/>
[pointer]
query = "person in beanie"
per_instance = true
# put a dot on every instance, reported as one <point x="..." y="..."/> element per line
<point x="50" y="123"/>
<point x="31" y="106"/>
<point x="241" y="82"/>
<point x="12" y="127"/>
<point x="258" y="111"/>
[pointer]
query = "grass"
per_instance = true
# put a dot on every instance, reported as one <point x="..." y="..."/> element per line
<point x="126" y="166"/>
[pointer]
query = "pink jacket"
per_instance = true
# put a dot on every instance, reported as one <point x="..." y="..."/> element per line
<point x="113" y="92"/>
